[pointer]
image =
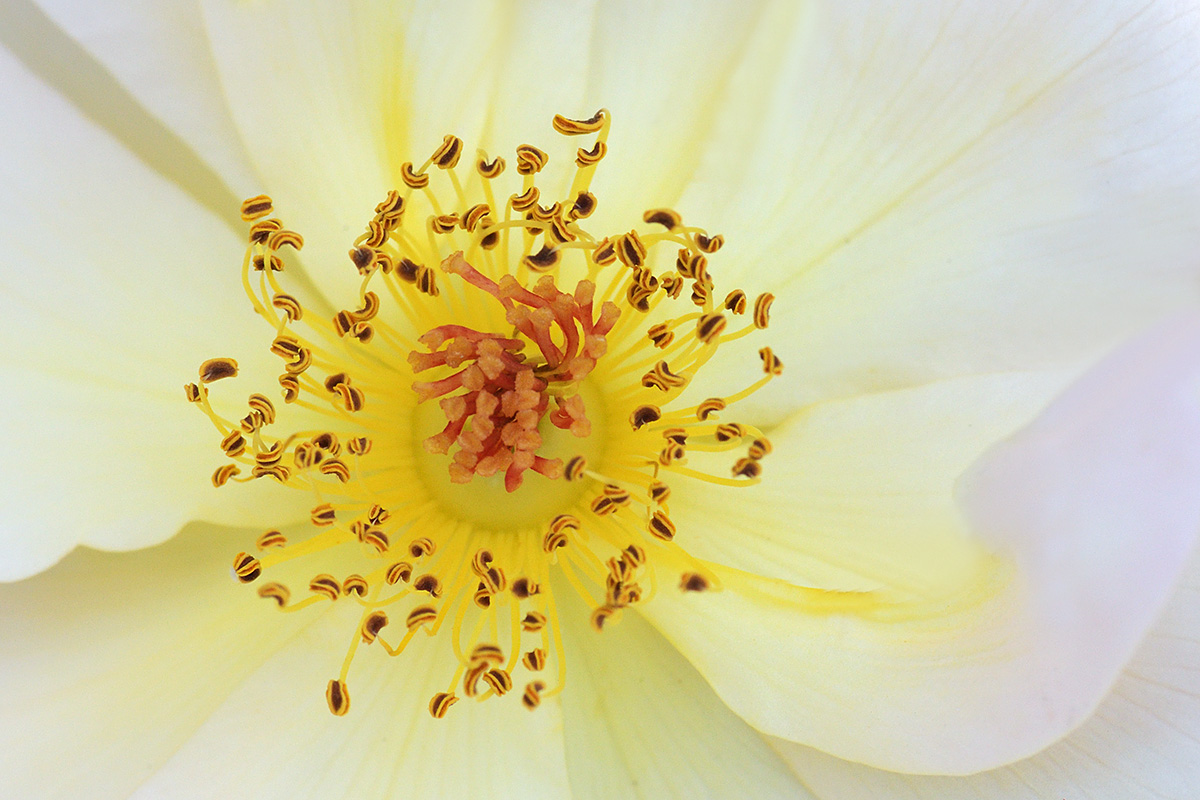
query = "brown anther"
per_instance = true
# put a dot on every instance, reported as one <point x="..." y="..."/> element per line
<point x="377" y="514"/>
<point x="543" y="260"/>
<point x="584" y="205"/>
<point x="359" y="445"/>
<point x="532" y="696"/>
<point x="499" y="680"/>
<point x="534" y="660"/>
<point x="443" y="224"/>
<point x="246" y="567"/>
<point x="603" y="506"/>
<point x="579" y="127"/>
<point x="565" y="522"/>
<point x="489" y="169"/>
<point x="487" y="653"/>
<point x="676" y="435"/>
<point x="354" y="584"/>
<point x="666" y="217"/>
<point x="481" y="561"/>
<point x="326" y="585"/>
<point x="700" y="294"/>
<point x="661" y="527"/>
<point x="193" y="393"/>
<point x="693" y="582"/>
<point x="634" y="556"/>
<point x="222" y="474"/>
<point x="771" y="363"/>
<point x="526" y="199"/>
<point x="353" y="398"/>
<point x="216" y="369"/>
<point x="377" y="539"/>
<point x="590" y="158"/>
<point x="735" y="301"/>
<point x="411" y="179"/>
<point x="285" y="238"/>
<point x="392" y="205"/>
<point x="446" y="156"/>
<point x="328" y="441"/>
<point x="639" y="298"/>
<point x="530" y="160"/>
<point x="630" y="249"/>
<point x="759" y="448"/>
<point x="605" y="252"/>
<point x="276" y="591"/>
<point x="441" y="703"/>
<point x="336" y="468"/>
<point x="289" y="306"/>
<point x="574" y="468"/>
<point x="709" y="244"/>
<point x="408" y="270"/>
<point x="427" y="282"/>
<point x="689" y="264"/>
<point x="421" y="615"/>
<point x="671" y="453"/>
<point x="671" y="284"/>
<point x="533" y="622"/>
<point x="482" y="597"/>
<point x="523" y="588"/>
<point x="270" y="456"/>
<point x="659" y="492"/>
<point x="710" y="326"/>
<point x="429" y="584"/>
<point x="263" y="406"/>
<point x="369" y="308"/>
<point x="276" y="471"/>
<point x="494" y="580"/>
<point x="260" y="263"/>
<point x="747" y="468"/>
<point x="660" y="334"/>
<point x="323" y="515"/>
<point x="558" y="232"/>
<point x="400" y="571"/>
<point x="256" y="207"/>
<point x="662" y="378"/>
<point x="473" y="215"/>
<point x="271" y="539"/>
<point x="601" y="615"/>
<point x="372" y="625"/>
<point x="261" y="230"/>
<point x="617" y="494"/>
<point x="728" y="432"/>
<point x="234" y="444"/>
<point x="545" y="213"/>
<point x="343" y="321"/>
<point x="762" y="309"/>
<point x="554" y="540"/>
<point x="709" y="407"/>
<point x="338" y="697"/>
<point x="423" y="546"/>
<point x="363" y="258"/>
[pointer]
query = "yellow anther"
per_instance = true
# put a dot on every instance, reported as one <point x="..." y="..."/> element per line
<point x="338" y="697"/>
<point x="256" y="208"/>
<point x="246" y="567"/>
<point x="447" y="155"/>
<point x="579" y="127"/>
<point x="216" y="369"/>
<point x="275" y="591"/>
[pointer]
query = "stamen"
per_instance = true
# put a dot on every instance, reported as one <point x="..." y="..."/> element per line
<point x="537" y="346"/>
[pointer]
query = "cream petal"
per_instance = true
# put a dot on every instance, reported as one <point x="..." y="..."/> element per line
<point x="959" y="188"/>
<point x="865" y="486"/>
<point x="1143" y="742"/>
<point x="1090" y="512"/>
<point x="356" y="91"/>
<point x="100" y="336"/>
<point x="274" y="737"/>
<point x="109" y="662"/>
<point x="142" y="71"/>
<point x="639" y="721"/>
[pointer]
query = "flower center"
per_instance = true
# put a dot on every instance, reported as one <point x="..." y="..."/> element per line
<point x="500" y="406"/>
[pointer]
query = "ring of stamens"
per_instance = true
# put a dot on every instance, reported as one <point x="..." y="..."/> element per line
<point x="460" y="302"/>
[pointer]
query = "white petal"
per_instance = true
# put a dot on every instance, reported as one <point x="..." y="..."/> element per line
<point x="639" y="721"/>
<point x="1091" y="511"/>
<point x="958" y="188"/>
<point x="109" y="662"/>
<point x="115" y="287"/>
<point x="143" y="71"/>
<point x="1143" y="742"/>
